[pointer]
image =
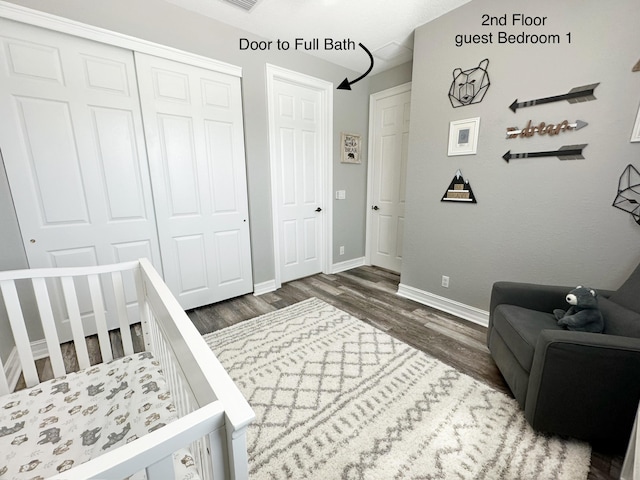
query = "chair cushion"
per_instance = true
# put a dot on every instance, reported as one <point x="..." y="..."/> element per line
<point x="627" y="295"/>
<point x="520" y="327"/>
<point x="619" y="320"/>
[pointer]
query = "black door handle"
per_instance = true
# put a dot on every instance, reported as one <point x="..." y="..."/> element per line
<point x="318" y="209"/>
<point x="375" y="207"/>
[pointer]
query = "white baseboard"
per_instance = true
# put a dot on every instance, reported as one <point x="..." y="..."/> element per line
<point x="458" y="309"/>
<point x="264" y="287"/>
<point x="347" y="265"/>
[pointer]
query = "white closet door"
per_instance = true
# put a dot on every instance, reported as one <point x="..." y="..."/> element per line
<point x="73" y="147"/>
<point x="193" y="125"/>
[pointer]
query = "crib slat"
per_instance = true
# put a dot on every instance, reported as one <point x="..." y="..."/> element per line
<point x="161" y="470"/>
<point x="121" y="308"/>
<point x="49" y="326"/>
<point x="75" y="320"/>
<point x="143" y="309"/>
<point x="4" y="384"/>
<point x="101" y="321"/>
<point x="16" y="319"/>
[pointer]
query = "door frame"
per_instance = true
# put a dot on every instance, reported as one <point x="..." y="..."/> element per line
<point x="373" y="98"/>
<point x="275" y="73"/>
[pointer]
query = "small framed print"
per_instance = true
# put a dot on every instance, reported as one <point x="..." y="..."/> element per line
<point x="635" y="135"/>
<point x="350" y="147"/>
<point x="463" y="136"/>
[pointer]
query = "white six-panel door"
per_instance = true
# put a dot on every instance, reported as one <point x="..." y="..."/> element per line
<point x="73" y="148"/>
<point x="389" y="132"/>
<point x="298" y="153"/>
<point x="193" y="124"/>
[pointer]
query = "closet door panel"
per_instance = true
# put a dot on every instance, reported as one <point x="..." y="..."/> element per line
<point x="73" y="148"/>
<point x="193" y="125"/>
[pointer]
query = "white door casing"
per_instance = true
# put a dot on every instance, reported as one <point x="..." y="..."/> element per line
<point x="73" y="147"/>
<point x="389" y="113"/>
<point x="300" y="129"/>
<point x="195" y="142"/>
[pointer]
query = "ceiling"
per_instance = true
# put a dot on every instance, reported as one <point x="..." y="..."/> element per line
<point x="384" y="27"/>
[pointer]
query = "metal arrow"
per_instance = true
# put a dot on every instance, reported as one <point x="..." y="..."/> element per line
<point x="568" y="152"/>
<point x="575" y="95"/>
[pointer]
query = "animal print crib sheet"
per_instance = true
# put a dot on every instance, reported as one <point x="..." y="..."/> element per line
<point x="50" y="428"/>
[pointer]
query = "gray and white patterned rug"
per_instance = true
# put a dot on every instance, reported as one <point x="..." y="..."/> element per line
<point x="338" y="399"/>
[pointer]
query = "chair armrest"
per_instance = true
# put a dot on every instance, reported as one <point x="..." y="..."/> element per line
<point x="584" y="385"/>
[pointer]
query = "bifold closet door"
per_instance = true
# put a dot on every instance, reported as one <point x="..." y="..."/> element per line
<point x="194" y="133"/>
<point x="72" y="143"/>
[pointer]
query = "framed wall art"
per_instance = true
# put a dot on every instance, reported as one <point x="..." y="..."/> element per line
<point x="350" y="148"/>
<point x="463" y="136"/>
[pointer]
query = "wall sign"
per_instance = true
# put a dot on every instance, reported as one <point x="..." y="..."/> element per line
<point x="575" y="95"/>
<point x="459" y="191"/>
<point x="545" y="129"/>
<point x="350" y="147"/>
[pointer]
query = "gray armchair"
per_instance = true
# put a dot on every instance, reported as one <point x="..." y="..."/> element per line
<point x="579" y="384"/>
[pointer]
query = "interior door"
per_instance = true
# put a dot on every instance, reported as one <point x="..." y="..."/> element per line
<point x="193" y="126"/>
<point x="389" y="130"/>
<point x="73" y="146"/>
<point x="298" y="150"/>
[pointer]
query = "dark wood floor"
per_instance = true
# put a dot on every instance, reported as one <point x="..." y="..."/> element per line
<point x="369" y="293"/>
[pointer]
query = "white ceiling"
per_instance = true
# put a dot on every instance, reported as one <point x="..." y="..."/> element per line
<point x="384" y="27"/>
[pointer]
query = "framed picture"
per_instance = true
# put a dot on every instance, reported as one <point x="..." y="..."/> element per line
<point x="463" y="136"/>
<point x="635" y="135"/>
<point x="350" y="147"/>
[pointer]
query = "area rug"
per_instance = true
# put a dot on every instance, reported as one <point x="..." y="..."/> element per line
<point x="338" y="399"/>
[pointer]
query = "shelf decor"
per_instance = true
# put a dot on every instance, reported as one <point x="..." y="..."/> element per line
<point x="459" y="191"/>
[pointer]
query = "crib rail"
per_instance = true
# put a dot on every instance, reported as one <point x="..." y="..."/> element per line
<point x="213" y="414"/>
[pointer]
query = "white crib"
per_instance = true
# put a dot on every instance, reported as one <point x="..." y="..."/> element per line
<point x="212" y="413"/>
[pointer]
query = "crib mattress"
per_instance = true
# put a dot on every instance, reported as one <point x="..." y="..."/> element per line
<point x="69" y="420"/>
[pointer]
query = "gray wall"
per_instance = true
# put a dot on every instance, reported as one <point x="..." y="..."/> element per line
<point x="167" y="24"/>
<point x="391" y="78"/>
<point x="536" y="220"/>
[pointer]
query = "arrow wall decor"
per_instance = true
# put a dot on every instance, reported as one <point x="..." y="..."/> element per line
<point x="568" y="152"/>
<point x="545" y="129"/>
<point x="346" y="83"/>
<point x="575" y="95"/>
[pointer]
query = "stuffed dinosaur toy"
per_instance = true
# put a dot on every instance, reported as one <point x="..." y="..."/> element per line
<point x="583" y="315"/>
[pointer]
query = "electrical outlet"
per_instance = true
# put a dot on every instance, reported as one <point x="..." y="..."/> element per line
<point x="341" y="249"/>
<point x="445" y="281"/>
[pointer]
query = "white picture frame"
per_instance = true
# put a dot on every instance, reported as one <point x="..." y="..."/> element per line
<point x="463" y="136"/>
<point x="635" y="134"/>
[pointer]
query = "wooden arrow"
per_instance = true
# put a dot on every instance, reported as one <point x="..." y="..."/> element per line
<point x="577" y="125"/>
<point x="575" y="95"/>
<point x="346" y="83"/>
<point x="568" y="152"/>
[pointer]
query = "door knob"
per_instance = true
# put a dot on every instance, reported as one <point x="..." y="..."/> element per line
<point x="375" y="207"/>
<point x="318" y="209"/>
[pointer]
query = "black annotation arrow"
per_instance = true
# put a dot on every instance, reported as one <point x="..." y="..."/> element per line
<point x="575" y="95"/>
<point x="346" y="84"/>
<point x="568" y="152"/>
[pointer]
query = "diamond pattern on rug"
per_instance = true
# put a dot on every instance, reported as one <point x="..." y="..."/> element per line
<point x="337" y="398"/>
